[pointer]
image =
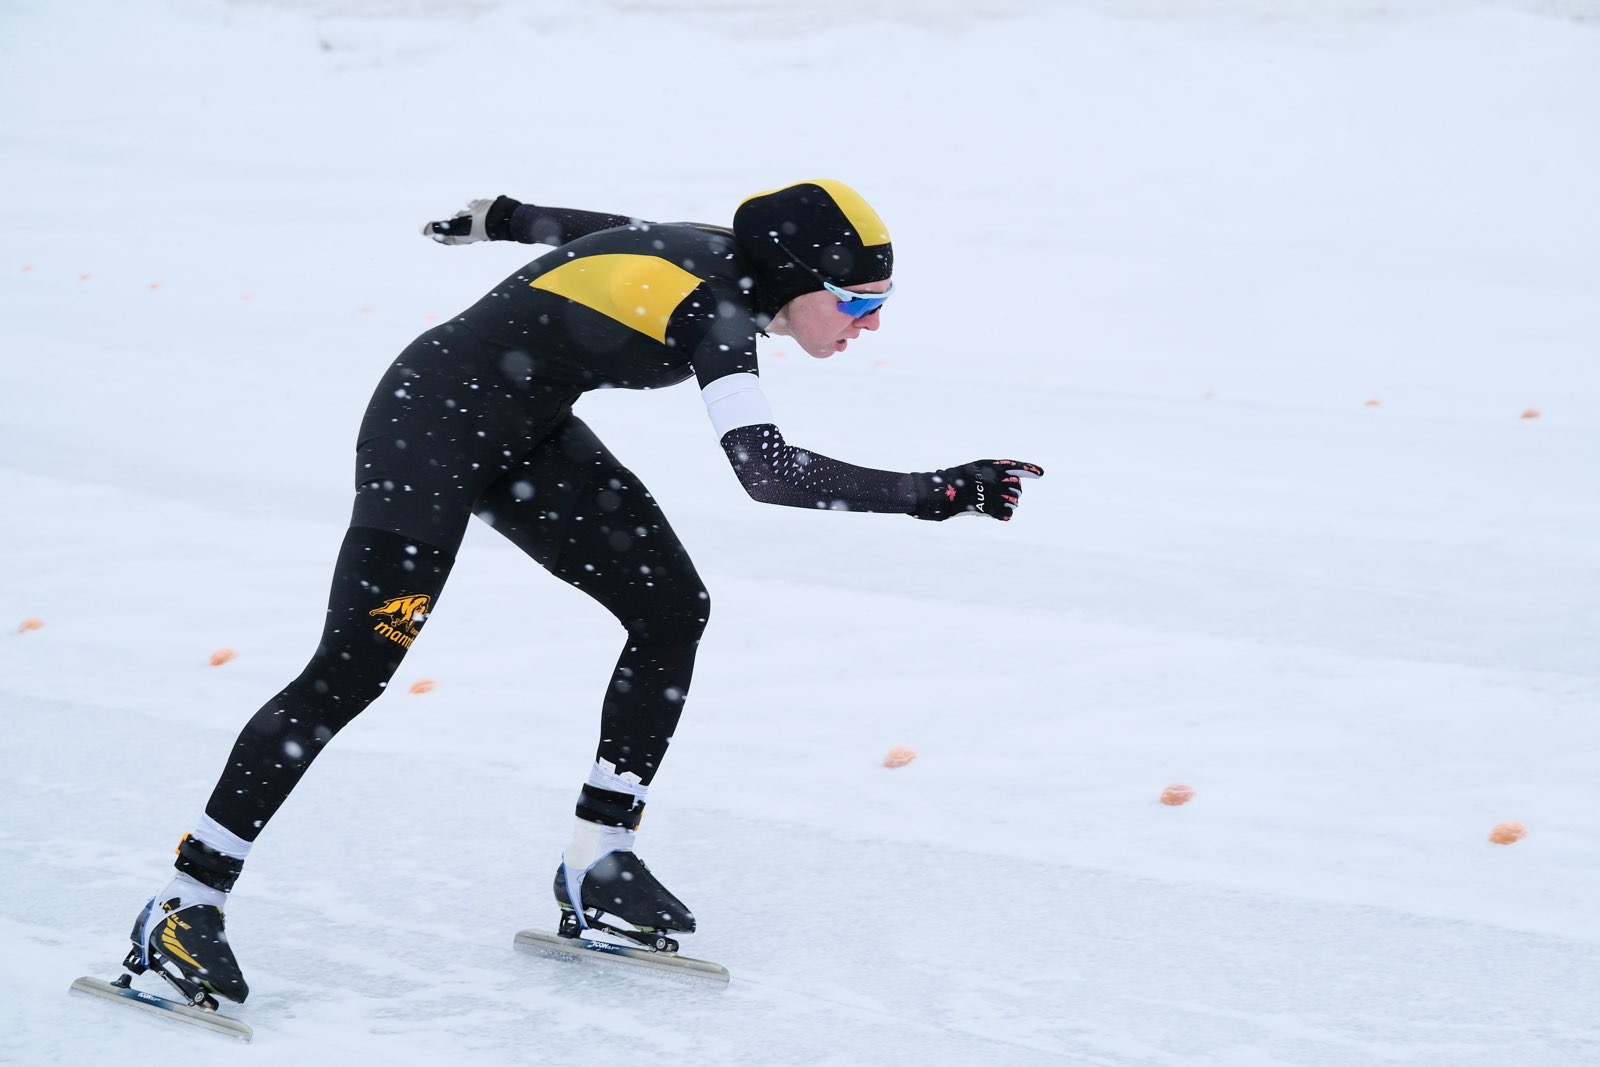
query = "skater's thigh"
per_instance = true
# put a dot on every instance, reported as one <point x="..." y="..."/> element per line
<point x="572" y="506"/>
<point x="439" y="430"/>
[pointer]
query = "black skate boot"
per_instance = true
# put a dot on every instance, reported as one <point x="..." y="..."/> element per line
<point x="620" y="886"/>
<point x="602" y="885"/>
<point x="182" y="939"/>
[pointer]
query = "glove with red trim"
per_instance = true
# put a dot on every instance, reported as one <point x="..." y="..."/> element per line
<point x="989" y="487"/>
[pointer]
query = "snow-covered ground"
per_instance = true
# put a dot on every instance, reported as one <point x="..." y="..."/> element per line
<point x="1268" y="289"/>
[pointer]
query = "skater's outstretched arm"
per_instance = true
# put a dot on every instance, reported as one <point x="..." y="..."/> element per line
<point x="505" y="219"/>
<point x="773" y="471"/>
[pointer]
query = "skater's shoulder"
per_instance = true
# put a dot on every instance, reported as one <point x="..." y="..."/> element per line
<point x="702" y="251"/>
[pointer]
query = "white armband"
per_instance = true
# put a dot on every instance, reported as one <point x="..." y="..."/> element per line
<point x="736" y="400"/>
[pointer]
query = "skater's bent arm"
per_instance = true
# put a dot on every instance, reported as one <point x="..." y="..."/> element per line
<point x="775" y="472"/>
<point x="505" y="219"/>
<point x="534" y="224"/>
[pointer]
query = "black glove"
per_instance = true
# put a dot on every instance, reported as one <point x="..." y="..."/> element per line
<point x="483" y="220"/>
<point x="989" y="487"/>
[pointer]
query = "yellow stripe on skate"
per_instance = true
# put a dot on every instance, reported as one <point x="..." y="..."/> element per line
<point x="170" y="942"/>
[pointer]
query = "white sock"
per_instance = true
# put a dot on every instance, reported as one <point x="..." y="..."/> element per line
<point x="220" y="839"/>
<point x="603" y="775"/>
<point x="591" y="841"/>
<point x="190" y="892"/>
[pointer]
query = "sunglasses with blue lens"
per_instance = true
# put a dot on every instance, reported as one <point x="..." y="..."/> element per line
<point x="856" y="305"/>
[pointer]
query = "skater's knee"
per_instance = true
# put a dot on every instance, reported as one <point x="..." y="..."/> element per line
<point x="336" y="685"/>
<point x="696" y="609"/>
<point x="690" y="610"/>
<point x="679" y="619"/>
<point x="662" y="603"/>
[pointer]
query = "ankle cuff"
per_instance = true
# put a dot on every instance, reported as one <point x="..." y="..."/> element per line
<point x="609" y="808"/>
<point x="206" y="865"/>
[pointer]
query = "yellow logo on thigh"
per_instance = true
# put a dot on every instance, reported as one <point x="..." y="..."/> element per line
<point x="401" y="618"/>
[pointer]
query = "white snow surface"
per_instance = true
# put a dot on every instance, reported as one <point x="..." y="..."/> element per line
<point x="1268" y="289"/>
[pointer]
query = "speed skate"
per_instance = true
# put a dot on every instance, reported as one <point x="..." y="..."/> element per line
<point x="121" y="991"/>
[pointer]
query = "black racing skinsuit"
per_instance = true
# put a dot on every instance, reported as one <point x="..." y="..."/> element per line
<point x="475" y="417"/>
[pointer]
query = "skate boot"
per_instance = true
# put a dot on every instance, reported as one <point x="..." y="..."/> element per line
<point x="602" y="885"/>
<point x="180" y="935"/>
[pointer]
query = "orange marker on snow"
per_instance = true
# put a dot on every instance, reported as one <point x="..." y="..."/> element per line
<point x="1507" y="833"/>
<point x="899" y="756"/>
<point x="1531" y="413"/>
<point x="30" y="624"/>
<point x="1176" y="793"/>
<point x="422" y="685"/>
<point x="221" y="656"/>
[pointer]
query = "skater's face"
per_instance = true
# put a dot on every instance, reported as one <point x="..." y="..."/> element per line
<point x="817" y="325"/>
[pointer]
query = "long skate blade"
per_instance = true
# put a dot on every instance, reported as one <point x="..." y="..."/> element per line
<point x="604" y="952"/>
<point x="172" y="1009"/>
